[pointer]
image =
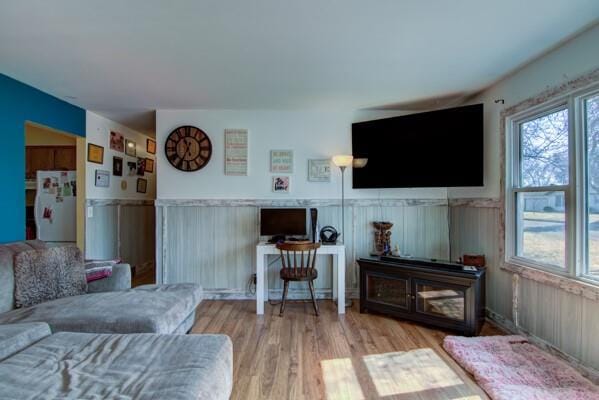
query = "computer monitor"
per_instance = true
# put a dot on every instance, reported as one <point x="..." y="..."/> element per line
<point x="282" y="221"/>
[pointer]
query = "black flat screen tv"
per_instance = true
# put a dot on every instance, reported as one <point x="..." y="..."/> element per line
<point x="432" y="149"/>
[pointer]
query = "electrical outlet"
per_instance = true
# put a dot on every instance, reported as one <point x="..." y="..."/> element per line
<point x="90" y="212"/>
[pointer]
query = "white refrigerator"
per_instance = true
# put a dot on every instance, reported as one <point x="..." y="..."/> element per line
<point x="55" y="206"/>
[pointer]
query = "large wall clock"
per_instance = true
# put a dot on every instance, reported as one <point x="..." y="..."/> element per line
<point x="188" y="148"/>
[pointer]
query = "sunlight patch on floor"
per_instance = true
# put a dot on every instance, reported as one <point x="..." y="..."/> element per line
<point x="473" y="397"/>
<point x="409" y="372"/>
<point x="340" y="380"/>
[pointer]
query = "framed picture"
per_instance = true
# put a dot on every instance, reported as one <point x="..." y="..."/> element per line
<point x="151" y="146"/>
<point x="124" y="184"/>
<point x="117" y="142"/>
<point x="141" y="166"/>
<point x="142" y="185"/>
<point x="319" y="170"/>
<point x="117" y="166"/>
<point x="95" y="153"/>
<point x="130" y="148"/>
<point x="102" y="178"/>
<point x="280" y="184"/>
<point x="149" y="165"/>
<point x="132" y="168"/>
<point x="281" y="161"/>
<point x="236" y="152"/>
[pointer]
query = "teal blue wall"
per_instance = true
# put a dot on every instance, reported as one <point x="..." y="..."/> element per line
<point x="20" y="103"/>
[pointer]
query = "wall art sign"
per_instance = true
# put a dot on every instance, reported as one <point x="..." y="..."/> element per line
<point x="236" y="152"/>
<point x="319" y="170"/>
<point x="280" y="184"/>
<point x="281" y="161"/>
<point x="102" y="178"/>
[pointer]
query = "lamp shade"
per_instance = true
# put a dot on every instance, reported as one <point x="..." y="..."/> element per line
<point x="343" y="160"/>
<point x="360" y="162"/>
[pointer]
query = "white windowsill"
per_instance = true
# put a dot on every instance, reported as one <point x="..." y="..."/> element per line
<point x="580" y="286"/>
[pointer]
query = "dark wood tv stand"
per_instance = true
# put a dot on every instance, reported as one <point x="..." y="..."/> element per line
<point x="436" y="293"/>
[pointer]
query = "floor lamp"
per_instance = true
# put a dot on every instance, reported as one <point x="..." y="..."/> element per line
<point x="343" y="161"/>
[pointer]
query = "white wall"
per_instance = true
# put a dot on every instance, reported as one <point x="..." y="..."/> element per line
<point x="310" y="134"/>
<point x="559" y="66"/>
<point x="98" y="132"/>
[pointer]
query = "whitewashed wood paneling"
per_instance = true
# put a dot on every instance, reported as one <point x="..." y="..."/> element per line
<point x="121" y="229"/>
<point x="137" y="238"/>
<point x="475" y="230"/>
<point x="101" y="237"/>
<point x="214" y="246"/>
<point x="561" y="321"/>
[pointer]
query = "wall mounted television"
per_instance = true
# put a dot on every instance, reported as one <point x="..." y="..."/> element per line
<point x="432" y="149"/>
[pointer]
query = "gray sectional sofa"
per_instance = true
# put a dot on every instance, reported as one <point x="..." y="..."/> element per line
<point x="110" y="306"/>
<point x="35" y="364"/>
<point x="109" y="342"/>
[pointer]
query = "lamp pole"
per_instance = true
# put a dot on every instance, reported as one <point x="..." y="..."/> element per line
<point x="342" y="168"/>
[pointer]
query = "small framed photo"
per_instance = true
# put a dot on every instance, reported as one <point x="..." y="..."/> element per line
<point x="130" y="148"/>
<point x="141" y="166"/>
<point x="117" y="142"/>
<point x="319" y="170"/>
<point x="132" y="168"/>
<point x="151" y="146"/>
<point x="117" y="166"/>
<point x="95" y="153"/>
<point x="142" y="185"/>
<point x="149" y="165"/>
<point x="280" y="184"/>
<point x="102" y="178"/>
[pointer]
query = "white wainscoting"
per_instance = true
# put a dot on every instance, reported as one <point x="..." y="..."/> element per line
<point x="212" y="242"/>
<point x="121" y="229"/>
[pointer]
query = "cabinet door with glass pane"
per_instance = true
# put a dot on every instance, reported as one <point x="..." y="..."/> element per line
<point x="391" y="291"/>
<point x="439" y="300"/>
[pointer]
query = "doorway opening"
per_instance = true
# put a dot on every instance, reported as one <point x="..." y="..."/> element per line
<point x="54" y="185"/>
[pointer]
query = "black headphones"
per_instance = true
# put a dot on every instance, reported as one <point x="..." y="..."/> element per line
<point x="329" y="235"/>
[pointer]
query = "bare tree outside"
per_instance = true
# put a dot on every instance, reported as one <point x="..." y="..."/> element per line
<point x="544" y="161"/>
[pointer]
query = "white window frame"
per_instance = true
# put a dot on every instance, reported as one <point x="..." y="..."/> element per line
<point x="576" y="257"/>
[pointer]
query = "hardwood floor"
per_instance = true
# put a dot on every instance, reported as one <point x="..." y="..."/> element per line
<point x="356" y="356"/>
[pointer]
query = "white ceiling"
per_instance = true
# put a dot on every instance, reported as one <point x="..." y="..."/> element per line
<point x="126" y="58"/>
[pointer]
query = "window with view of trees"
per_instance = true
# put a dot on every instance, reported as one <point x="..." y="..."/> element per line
<point x="553" y="223"/>
<point x="591" y="124"/>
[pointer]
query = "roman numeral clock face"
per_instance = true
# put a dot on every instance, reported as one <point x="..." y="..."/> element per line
<point x="188" y="148"/>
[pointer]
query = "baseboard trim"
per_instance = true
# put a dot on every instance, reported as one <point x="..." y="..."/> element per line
<point x="273" y="294"/>
<point x="506" y="324"/>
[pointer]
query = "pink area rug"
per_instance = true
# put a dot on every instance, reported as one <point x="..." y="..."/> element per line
<point x="510" y="368"/>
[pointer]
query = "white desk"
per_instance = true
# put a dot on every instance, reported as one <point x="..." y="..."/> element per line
<point x="265" y="249"/>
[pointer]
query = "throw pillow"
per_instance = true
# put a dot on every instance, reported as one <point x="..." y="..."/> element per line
<point x="99" y="269"/>
<point x="48" y="274"/>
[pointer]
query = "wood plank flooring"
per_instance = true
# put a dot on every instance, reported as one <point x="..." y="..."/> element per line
<point x="356" y="356"/>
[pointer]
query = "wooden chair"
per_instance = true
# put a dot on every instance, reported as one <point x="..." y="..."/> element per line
<point x="298" y="260"/>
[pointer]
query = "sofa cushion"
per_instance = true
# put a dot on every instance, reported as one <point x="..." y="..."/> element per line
<point x="7" y="283"/>
<point x="143" y="366"/>
<point x="17" y="337"/>
<point x="48" y="274"/>
<point x="151" y="308"/>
